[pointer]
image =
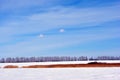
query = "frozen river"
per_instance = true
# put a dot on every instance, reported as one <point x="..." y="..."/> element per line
<point x="61" y="74"/>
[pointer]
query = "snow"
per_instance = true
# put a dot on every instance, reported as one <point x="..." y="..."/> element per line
<point x="49" y="63"/>
<point x="106" y="73"/>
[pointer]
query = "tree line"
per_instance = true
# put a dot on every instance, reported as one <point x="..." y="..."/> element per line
<point x="55" y="58"/>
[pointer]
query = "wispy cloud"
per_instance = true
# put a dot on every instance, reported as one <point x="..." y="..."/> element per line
<point x="58" y="26"/>
<point x="65" y="17"/>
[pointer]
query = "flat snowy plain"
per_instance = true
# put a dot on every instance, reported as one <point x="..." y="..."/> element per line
<point x="106" y="73"/>
<point x="98" y="73"/>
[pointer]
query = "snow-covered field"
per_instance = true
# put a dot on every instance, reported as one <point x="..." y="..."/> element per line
<point x="106" y="73"/>
<point x="112" y="73"/>
<point x="49" y="63"/>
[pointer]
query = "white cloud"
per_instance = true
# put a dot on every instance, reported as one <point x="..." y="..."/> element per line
<point x="61" y="30"/>
<point x="41" y="35"/>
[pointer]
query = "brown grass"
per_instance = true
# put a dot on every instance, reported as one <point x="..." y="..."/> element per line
<point x="11" y="66"/>
<point x="74" y="65"/>
<point x="92" y="64"/>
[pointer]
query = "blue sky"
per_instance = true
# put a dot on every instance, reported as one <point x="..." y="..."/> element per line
<point x="59" y="28"/>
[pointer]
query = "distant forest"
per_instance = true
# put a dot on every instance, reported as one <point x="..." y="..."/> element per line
<point x="55" y="59"/>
